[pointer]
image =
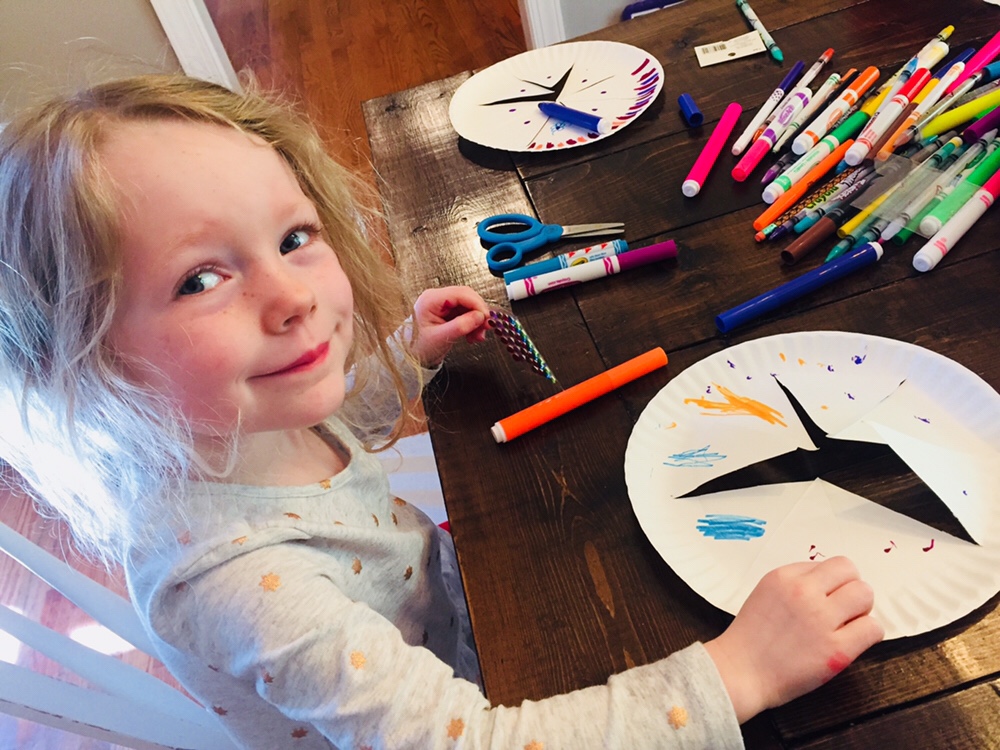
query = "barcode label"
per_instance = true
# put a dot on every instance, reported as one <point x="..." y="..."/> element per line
<point x="731" y="49"/>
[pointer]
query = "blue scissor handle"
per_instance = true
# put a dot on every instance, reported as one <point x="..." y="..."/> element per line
<point x="510" y="247"/>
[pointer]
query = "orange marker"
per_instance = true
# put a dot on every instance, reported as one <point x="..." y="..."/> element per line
<point x="799" y="188"/>
<point x="555" y="406"/>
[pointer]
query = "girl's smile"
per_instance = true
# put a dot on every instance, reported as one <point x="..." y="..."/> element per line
<point x="304" y="363"/>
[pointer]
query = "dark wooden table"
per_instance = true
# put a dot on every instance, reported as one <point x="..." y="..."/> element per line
<point x="563" y="587"/>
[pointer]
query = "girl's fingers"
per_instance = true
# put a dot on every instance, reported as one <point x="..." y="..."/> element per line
<point x="833" y="573"/>
<point x="850" y="601"/>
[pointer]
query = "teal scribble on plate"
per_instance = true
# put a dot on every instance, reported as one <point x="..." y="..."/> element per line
<point x="724" y="526"/>
<point x="696" y="457"/>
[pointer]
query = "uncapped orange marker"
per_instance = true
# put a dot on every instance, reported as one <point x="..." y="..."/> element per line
<point x="581" y="393"/>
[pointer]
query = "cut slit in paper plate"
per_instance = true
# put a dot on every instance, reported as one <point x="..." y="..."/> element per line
<point x="498" y="106"/>
<point x="726" y="412"/>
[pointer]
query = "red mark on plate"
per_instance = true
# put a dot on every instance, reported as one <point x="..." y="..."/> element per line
<point x="929" y="547"/>
<point x="890" y="548"/>
<point x="814" y="553"/>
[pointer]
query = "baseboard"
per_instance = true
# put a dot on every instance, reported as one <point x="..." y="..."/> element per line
<point x="542" y="21"/>
<point x="196" y="42"/>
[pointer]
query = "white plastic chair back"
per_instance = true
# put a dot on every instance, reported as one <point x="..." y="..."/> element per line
<point x="127" y="706"/>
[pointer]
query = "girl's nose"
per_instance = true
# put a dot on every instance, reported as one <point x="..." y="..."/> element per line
<point x="289" y="301"/>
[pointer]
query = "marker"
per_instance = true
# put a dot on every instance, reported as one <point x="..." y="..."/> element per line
<point x="880" y="124"/>
<point x="820" y="97"/>
<point x="928" y="200"/>
<point x="961" y="114"/>
<point x="572" y="258"/>
<point x="748" y="163"/>
<point x="767" y="107"/>
<point x="817" y="153"/>
<point x="706" y="159"/>
<point x="747" y="11"/>
<point x="936" y="183"/>
<point x="963" y="192"/>
<point x="835" y="111"/>
<point x="945" y="238"/>
<point x="814" y="175"/>
<point x="555" y="406"/>
<point x="546" y="282"/>
<point x="590" y="123"/>
<point x="984" y="124"/>
<point x="905" y="132"/>
<point x="806" y="79"/>
<point x="792" y="290"/>
<point x="979" y="60"/>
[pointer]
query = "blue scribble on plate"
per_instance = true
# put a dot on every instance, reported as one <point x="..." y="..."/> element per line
<point x="696" y="458"/>
<point x="725" y="526"/>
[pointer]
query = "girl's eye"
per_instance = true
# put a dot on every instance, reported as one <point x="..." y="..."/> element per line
<point x="295" y="240"/>
<point x="200" y="281"/>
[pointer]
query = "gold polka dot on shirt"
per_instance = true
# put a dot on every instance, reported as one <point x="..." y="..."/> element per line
<point x="677" y="717"/>
<point x="455" y="728"/>
<point x="356" y="566"/>
<point x="358" y="660"/>
<point x="270" y="582"/>
<point x="535" y="745"/>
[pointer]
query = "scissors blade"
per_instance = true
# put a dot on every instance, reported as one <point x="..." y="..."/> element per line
<point x="593" y="230"/>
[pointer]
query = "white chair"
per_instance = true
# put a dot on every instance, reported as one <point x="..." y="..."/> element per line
<point x="131" y="707"/>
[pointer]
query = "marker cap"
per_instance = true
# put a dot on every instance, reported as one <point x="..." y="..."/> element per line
<point x="692" y="115"/>
<point x="690" y="188"/>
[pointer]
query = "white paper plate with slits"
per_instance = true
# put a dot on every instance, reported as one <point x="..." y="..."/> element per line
<point x="728" y="411"/>
<point x="498" y="107"/>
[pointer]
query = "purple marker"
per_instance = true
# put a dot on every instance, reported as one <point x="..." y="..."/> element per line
<point x="590" y="123"/>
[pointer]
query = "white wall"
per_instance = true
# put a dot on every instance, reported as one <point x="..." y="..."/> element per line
<point x="584" y="16"/>
<point x="48" y="46"/>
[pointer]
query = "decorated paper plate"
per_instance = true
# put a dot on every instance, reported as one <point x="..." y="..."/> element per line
<point x="729" y="411"/>
<point x="498" y="107"/>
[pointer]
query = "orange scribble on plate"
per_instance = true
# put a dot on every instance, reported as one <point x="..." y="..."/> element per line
<point x="737" y="406"/>
<point x="801" y="361"/>
<point x="782" y="355"/>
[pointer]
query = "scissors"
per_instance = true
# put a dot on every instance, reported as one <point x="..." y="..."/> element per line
<point x="510" y="246"/>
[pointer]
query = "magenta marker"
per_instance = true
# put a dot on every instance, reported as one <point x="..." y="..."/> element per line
<point x="534" y="285"/>
<point x="706" y="159"/>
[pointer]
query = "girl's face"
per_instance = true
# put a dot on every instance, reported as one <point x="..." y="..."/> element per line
<point x="233" y="304"/>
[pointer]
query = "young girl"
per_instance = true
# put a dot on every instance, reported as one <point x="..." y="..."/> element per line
<point x="198" y="345"/>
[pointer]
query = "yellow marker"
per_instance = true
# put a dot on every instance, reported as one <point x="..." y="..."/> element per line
<point x="960" y="115"/>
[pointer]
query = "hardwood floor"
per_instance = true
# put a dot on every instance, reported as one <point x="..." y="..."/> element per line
<point x="331" y="55"/>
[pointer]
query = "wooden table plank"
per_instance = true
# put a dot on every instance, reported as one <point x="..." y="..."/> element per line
<point x="942" y="722"/>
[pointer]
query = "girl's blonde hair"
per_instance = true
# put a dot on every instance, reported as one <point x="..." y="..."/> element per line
<point x="106" y="454"/>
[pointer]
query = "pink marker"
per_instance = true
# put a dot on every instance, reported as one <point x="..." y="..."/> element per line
<point x="706" y="159"/>
<point x="980" y="60"/>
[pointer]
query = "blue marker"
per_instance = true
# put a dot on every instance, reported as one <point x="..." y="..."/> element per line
<point x="807" y="282"/>
<point x="572" y="258"/>
<point x="590" y="123"/>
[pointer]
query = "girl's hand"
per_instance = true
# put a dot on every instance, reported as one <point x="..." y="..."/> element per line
<point x="443" y="316"/>
<point x="803" y="624"/>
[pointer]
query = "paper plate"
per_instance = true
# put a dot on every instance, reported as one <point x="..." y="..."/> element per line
<point x="498" y="107"/>
<point x="728" y="411"/>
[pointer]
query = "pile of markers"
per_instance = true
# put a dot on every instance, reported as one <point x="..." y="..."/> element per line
<point x="862" y="160"/>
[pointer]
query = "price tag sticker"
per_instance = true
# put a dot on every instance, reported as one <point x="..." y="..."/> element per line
<point x="733" y="49"/>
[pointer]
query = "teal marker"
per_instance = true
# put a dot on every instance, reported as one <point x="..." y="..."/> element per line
<point x="747" y="11"/>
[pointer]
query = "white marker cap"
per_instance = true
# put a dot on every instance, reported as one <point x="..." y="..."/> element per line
<point x="927" y="257"/>
<point x="802" y="143"/>
<point x="772" y="192"/>
<point x="498" y="434"/>
<point x="856" y="154"/>
<point x="690" y="188"/>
